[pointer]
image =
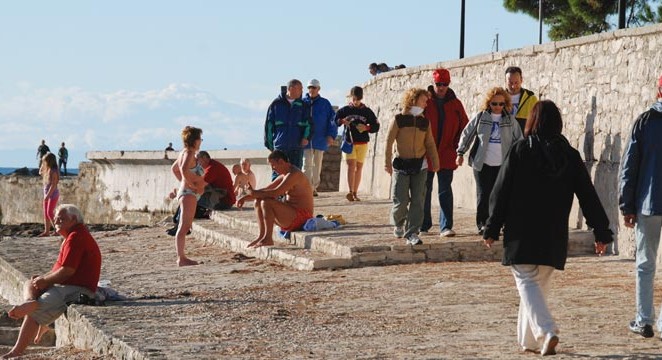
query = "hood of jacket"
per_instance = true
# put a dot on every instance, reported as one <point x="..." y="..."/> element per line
<point x="550" y="156"/>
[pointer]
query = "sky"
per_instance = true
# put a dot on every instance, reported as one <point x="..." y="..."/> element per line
<point x="129" y="75"/>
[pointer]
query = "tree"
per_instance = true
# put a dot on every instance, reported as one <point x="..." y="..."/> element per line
<point x="573" y="18"/>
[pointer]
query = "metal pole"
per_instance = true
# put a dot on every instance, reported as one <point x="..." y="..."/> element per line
<point x="462" y="31"/>
<point x="497" y="42"/>
<point x="540" y="22"/>
<point x="621" y="14"/>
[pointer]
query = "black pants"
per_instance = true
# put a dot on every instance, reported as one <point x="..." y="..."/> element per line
<point x="485" y="179"/>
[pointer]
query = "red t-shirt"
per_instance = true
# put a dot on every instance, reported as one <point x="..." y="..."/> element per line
<point x="217" y="175"/>
<point x="79" y="251"/>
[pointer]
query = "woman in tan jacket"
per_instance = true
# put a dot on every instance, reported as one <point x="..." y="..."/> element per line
<point x="411" y="133"/>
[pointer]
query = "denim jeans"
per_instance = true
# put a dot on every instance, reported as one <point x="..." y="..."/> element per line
<point x="647" y="234"/>
<point x="408" y="193"/>
<point x="534" y="320"/>
<point x="445" y="192"/>
<point x="485" y="180"/>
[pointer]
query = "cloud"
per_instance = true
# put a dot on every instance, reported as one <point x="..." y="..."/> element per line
<point x="126" y="119"/>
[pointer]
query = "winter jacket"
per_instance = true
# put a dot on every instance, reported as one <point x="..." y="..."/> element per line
<point x="641" y="171"/>
<point x="532" y="198"/>
<point x="481" y="127"/>
<point x="286" y="125"/>
<point x="413" y="139"/>
<point x="324" y="123"/>
<point x="446" y="126"/>
<point x="526" y="101"/>
<point x="358" y="115"/>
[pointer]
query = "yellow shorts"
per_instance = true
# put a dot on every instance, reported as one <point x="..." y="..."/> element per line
<point x="359" y="153"/>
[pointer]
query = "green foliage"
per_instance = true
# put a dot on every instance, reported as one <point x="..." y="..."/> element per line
<point x="573" y="18"/>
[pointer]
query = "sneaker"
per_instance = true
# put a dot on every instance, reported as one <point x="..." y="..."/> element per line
<point x="447" y="233"/>
<point x="315" y="193"/>
<point x="398" y="231"/>
<point x="549" y="346"/>
<point x="645" y="330"/>
<point x="350" y="196"/>
<point x="413" y="239"/>
<point x="481" y="230"/>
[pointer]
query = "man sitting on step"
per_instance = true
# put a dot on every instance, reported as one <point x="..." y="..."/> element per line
<point x="291" y="213"/>
<point x="74" y="275"/>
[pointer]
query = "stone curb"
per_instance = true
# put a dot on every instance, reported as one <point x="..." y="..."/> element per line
<point x="71" y="329"/>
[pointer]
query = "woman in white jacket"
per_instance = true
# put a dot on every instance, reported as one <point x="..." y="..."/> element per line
<point x="492" y="131"/>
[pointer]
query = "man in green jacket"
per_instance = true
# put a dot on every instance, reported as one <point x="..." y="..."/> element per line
<point x="521" y="98"/>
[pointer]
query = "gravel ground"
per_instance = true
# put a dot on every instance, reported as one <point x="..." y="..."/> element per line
<point x="233" y="307"/>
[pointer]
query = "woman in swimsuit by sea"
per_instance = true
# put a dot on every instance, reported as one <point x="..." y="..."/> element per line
<point x="189" y="173"/>
<point x="51" y="176"/>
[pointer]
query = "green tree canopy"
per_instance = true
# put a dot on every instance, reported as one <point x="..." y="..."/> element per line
<point x="573" y="18"/>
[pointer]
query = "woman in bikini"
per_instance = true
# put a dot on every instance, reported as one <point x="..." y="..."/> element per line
<point x="190" y="174"/>
<point x="51" y="176"/>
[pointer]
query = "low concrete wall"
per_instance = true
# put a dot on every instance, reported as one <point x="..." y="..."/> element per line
<point x="129" y="187"/>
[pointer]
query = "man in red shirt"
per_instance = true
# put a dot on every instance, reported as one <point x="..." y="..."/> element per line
<point x="75" y="272"/>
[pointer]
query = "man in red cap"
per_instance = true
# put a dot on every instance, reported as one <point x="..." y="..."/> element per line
<point x="640" y="201"/>
<point x="447" y="119"/>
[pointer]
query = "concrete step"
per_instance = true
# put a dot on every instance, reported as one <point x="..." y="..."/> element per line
<point x="283" y="253"/>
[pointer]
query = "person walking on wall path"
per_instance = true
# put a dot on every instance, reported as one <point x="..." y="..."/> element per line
<point x="42" y="150"/>
<point x="531" y="202"/>
<point x="522" y="100"/>
<point x="640" y="202"/>
<point x="360" y="122"/>
<point x="410" y="131"/>
<point x="324" y="133"/>
<point x="447" y="119"/>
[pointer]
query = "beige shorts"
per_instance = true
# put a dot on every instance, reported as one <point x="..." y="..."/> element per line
<point x="53" y="302"/>
<point x="359" y="153"/>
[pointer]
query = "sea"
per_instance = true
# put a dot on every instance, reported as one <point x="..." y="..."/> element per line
<point x="9" y="170"/>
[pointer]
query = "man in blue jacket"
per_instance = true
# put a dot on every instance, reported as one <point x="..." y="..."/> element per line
<point x="287" y="127"/>
<point x="640" y="201"/>
<point x="324" y="133"/>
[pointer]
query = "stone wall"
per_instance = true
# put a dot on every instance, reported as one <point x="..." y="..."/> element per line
<point x="600" y="82"/>
<point x="129" y="187"/>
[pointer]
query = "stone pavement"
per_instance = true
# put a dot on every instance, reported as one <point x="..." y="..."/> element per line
<point x="236" y="307"/>
<point x="366" y="240"/>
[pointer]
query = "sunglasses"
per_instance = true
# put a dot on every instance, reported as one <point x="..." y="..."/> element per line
<point x="442" y="84"/>
<point x="498" y="104"/>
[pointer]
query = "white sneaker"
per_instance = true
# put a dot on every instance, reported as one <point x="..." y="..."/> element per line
<point x="413" y="239"/>
<point x="447" y="233"/>
<point x="399" y="231"/>
<point x="549" y="347"/>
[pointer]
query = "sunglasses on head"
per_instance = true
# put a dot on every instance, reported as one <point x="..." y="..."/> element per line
<point x="442" y="84"/>
<point x="498" y="103"/>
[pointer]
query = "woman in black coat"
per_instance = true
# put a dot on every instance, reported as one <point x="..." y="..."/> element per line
<point x="531" y="200"/>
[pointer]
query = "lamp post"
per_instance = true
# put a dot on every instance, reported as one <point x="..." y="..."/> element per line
<point x="462" y="31"/>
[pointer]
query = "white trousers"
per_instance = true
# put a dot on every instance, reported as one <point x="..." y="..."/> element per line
<point x="312" y="166"/>
<point x="534" y="320"/>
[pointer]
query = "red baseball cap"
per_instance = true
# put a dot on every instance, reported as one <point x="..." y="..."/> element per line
<point x="441" y="76"/>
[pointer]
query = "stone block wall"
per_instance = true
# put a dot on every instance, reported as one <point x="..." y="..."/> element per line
<point x="600" y="82"/>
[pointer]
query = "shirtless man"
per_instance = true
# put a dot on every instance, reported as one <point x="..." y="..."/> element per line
<point x="290" y="214"/>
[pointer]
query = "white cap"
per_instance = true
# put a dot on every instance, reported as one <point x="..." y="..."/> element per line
<point x="314" y="83"/>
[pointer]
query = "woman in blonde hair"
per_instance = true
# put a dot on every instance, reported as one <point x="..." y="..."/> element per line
<point x="494" y="130"/>
<point x="51" y="176"/>
<point x="412" y="136"/>
<point x="190" y="174"/>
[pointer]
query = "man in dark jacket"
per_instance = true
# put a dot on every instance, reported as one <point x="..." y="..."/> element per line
<point x="288" y="124"/>
<point x="447" y="119"/>
<point x="640" y="202"/>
